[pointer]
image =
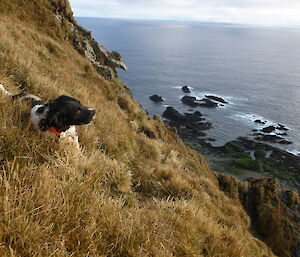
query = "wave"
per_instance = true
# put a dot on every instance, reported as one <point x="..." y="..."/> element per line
<point x="249" y="118"/>
<point x="179" y="87"/>
<point x="232" y="100"/>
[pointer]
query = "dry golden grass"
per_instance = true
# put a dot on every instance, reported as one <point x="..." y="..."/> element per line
<point x="123" y="193"/>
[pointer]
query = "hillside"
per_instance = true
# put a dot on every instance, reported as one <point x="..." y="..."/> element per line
<point x="133" y="189"/>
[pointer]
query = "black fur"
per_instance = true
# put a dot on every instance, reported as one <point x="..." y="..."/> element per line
<point x="64" y="112"/>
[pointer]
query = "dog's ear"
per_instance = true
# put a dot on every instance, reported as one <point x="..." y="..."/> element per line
<point x="54" y="119"/>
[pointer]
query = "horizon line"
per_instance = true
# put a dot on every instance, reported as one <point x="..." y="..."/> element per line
<point x="195" y="21"/>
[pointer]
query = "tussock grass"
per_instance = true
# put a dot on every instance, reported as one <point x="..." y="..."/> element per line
<point x="124" y="193"/>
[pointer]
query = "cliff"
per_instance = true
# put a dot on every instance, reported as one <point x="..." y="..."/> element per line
<point x="133" y="189"/>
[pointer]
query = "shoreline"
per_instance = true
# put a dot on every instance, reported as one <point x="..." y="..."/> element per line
<point x="242" y="158"/>
<point x="234" y="159"/>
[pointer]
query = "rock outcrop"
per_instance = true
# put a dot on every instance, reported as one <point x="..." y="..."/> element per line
<point x="104" y="61"/>
<point x="216" y="98"/>
<point x="190" y="101"/>
<point x="268" y="129"/>
<point x="186" y="89"/>
<point x="274" y="212"/>
<point x="156" y="98"/>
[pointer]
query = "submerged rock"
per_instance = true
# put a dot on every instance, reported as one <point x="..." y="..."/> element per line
<point x="186" y="89"/>
<point x="156" y="98"/>
<point x="216" y="98"/>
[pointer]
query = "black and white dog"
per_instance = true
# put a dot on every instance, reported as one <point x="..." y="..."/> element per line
<point x="58" y="117"/>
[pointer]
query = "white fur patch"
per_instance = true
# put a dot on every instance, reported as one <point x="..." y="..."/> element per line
<point x="37" y="117"/>
<point x="71" y="132"/>
<point x="70" y="137"/>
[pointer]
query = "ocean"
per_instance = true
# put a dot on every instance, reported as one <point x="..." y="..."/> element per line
<point x="257" y="70"/>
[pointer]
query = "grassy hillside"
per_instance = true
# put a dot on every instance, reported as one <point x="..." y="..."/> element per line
<point x="132" y="190"/>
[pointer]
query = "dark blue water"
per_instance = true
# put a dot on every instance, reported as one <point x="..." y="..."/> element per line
<point x="257" y="70"/>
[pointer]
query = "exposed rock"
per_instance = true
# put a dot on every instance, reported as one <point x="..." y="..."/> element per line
<point x="194" y="117"/>
<point x="282" y="134"/>
<point x="189" y="100"/>
<point x="285" y="142"/>
<point x="216" y="98"/>
<point x="281" y="127"/>
<point x="260" y="122"/>
<point x="189" y="125"/>
<point x="234" y="146"/>
<point x="172" y="114"/>
<point x="210" y="139"/>
<point x="186" y="89"/>
<point x="268" y="129"/>
<point x="207" y="103"/>
<point x="156" y="98"/>
<point x="257" y="134"/>
<point x="104" y="61"/>
<point x="63" y="7"/>
<point x="269" y="138"/>
<point x="274" y="211"/>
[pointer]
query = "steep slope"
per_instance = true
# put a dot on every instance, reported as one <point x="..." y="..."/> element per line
<point x="134" y="189"/>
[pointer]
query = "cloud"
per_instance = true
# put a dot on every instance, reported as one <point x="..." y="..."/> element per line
<point x="260" y="12"/>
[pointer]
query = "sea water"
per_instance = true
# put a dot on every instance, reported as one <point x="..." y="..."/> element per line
<point x="257" y="70"/>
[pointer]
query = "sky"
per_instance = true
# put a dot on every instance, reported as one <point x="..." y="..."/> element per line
<point x="251" y="12"/>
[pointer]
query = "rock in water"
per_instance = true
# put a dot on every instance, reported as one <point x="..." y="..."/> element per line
<point x="156" y="98"/>
<point x="186" y="89"/>
<point x="173" y="114"/>
<point x="208" y="103"/>
<point x="268" y="129"/>
<point x="189" y="100"/>
<point x="270" y="138"/>
<point x="216" y="98"/>
<point x="260" y="122"/>
<point x="282" y="127"/>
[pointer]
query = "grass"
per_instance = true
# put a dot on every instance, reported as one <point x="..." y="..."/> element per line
<point x="238" y="155"/>
<point x="123" y="193"/>
<point x="249" y="164"/>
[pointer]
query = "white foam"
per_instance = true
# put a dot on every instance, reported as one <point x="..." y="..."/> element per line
<point x="251" y="117"/>
<point x="294" y="152"/>
<point x="180" y="87"/>
<point x="232" y="100"/>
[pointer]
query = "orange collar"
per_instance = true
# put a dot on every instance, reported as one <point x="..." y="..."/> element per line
<point x="53" y="130"/>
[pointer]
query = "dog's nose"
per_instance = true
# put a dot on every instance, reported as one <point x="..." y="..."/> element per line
<point x="92" y="111"/>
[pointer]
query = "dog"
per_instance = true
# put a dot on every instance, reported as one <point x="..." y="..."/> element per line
<point x="58" y="117"/>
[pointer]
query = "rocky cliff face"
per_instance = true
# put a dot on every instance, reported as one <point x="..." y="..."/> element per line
<point x="104" y="61"/>
<point x="274" y="212"/>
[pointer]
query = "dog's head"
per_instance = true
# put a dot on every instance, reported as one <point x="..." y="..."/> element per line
<point x="66" y="111"/>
